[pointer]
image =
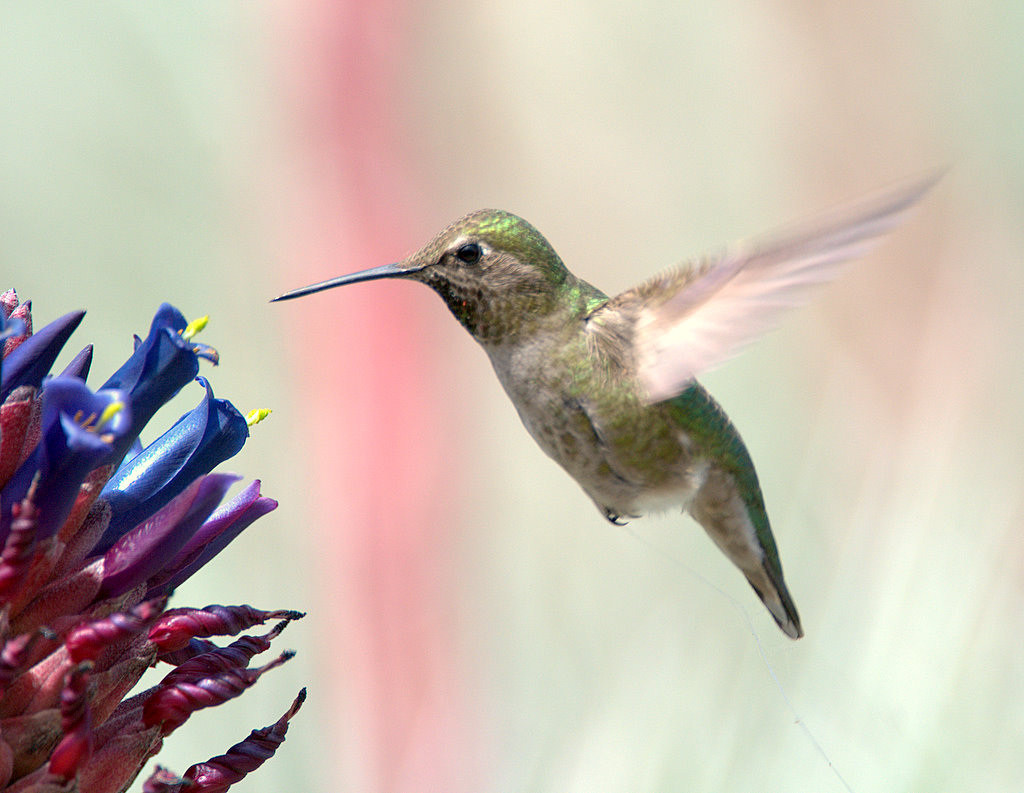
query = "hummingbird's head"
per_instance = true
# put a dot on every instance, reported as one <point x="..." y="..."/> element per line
<point x="494" y="270"/>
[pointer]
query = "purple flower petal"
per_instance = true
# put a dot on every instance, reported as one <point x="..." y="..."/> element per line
<point x="213" y="536"/>
<point x="146" y="549"/>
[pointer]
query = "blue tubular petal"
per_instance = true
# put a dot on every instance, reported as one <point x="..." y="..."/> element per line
<point x="145" y="550"/>
<point x="134" y="370"/>
<point x="133" y="451"/>
<point x="31" y="361"/>
<point x="158" y="368"/>
<point x="69" y="454"/>
<point x="79" y="366"/>
<point x="71" y="445"/>
<point x="198" y="441"/>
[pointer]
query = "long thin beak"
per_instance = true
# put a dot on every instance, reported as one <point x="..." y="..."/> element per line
<point x="384" y="271"/>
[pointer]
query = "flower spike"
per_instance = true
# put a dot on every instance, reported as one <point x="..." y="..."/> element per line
<point x="235" y="656"/>
<point x="81" y="603"/>
<point x="86" y="642"/>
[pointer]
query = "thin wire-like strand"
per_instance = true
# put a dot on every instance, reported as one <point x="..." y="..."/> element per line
<point x="745" y="615"/>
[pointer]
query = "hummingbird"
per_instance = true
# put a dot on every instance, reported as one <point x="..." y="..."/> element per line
<point x="607" y="386"/>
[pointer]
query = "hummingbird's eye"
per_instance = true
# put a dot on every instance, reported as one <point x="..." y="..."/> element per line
<point x="469" y="253"/>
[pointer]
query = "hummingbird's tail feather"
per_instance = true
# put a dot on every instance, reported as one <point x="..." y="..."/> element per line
<point x="738" y="524"/>
<point x="775" y="596"/>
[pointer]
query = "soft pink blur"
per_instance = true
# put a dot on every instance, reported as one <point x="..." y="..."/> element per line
<point x="384" y="535"/>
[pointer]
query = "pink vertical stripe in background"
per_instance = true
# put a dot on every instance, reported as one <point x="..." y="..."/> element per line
<point x="365" y="359"/>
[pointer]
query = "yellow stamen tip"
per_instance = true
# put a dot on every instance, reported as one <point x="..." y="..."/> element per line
<point x="108" y="413"/>
<point x="256" y="415"/>
<point x="194" y="327"/>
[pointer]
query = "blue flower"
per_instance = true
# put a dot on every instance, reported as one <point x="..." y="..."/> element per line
<point x="78" y="430"/>
<point x="198" y="441"/>
<point x="161" y="365"/>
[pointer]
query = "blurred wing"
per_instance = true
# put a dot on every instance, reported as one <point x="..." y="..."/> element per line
<point x="690" y="319"/>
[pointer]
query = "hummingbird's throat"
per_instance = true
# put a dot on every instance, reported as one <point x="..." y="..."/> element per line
<point x="492" y="314"/>
<point x="463" y="300"/>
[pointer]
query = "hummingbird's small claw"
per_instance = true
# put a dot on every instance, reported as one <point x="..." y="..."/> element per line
<point x="614" y="519"/>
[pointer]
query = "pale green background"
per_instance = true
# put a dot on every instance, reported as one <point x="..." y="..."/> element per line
<point x="147" y="154"/>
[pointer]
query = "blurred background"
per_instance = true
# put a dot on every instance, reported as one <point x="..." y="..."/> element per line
<point x="474" y="624"/>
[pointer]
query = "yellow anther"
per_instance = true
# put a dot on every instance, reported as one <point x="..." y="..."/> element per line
<point x="108" y="413"/>
<point x="256" y="415"/>
<point x="194" y="327"/>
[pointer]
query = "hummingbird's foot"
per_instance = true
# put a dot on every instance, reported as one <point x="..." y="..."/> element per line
<point x="614" y="518"/>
